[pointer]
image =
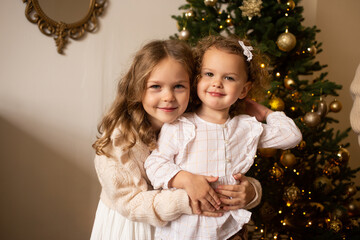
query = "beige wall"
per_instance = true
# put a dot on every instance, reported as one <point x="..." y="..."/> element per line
<point x="50" y="105"/>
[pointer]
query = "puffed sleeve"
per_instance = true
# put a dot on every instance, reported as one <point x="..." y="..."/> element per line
<point x="160" y="165"/>
<point x="125" y="189"/>
<point x="279" y="132"/>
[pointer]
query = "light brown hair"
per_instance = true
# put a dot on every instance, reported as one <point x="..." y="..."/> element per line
<point x="259" y="77"/>
<point x="127" y="112"/>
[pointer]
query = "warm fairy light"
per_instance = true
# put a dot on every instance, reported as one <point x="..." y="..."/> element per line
<point x="304" y="213"/>
<point x="286" y="14"/>
<point x="280" y="212"/>
<point x="262" y="65"/>
<point x="328" y="220"/>
<point x="310" y="223"/>
<point x="268" y="92"/>
<point x="256" y="165"/>
<point x="298" y="173"/>
<point x="293" y="108"/>
<point x="219" y="12"/>
<point x="261" y="230"/>
<point x="221" y="26"/>
<point x="203" y="19"/>
<point x="294" y="170"/>
<point x="303" y="190"/>
<point x="278" y="74"/>
<point x="284" y="223"/>
<point x="309" y="192"/>
<point x="275" y="237"/>
<point x="288" y="204"/>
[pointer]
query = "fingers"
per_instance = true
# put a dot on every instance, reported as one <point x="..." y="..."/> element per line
<point x="206" y="204"/>
<point x="195" y="207"/>
<point x="239" y="176"/>
<point x="233" y="204"/>
<point x="211" y="179"/>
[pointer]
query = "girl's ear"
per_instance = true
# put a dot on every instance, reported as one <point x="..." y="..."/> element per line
<point x="245" y="90"/>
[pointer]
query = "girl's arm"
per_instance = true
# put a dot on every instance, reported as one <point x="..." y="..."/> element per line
<point x="279" y="131"/>
<point x="125" y="189"/>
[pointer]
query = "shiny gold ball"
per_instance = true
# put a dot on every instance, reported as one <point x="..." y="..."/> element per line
<point x="343" y="156"/>
<point x="189" y="14"/>
<point x="321" y="108"/>
<point x="210" y="3"/>
<point x="291" y="4"/>
<point x="312" y="50"/>
<point x="267" y="152"/>
<point x="335" y="106"/>
<point x="184" y="35"/>
<point x="335" y="225"/>
<point x="288" y="159"/>
<point x="289" y="83"/>
<point x="311" y="119"/>
<point x="291" y="194"/>
<point x="286" y="41"/>
<point x="277" y="171"/>
<point x="323" y="184"/>
<point x="277" y="104"/>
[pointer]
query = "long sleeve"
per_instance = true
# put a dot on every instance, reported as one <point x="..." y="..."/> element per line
<point x="125" y="189"/>
<point x="160" y="166"/>
<point x="279" y="132"/>
<point x="258" y="193"/>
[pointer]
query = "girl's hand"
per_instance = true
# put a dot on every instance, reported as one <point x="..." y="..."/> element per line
<point x="237" y="196"/>
<point x="198" y="189"/>
<point x="207" y="212"/>
<point x="260" y="112"/>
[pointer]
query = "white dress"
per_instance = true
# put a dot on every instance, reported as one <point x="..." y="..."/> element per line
<point x="110" y="225"/>
<point x="200" y="147"/>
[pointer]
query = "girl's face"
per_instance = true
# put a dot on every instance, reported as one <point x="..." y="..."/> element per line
<point x="223" y="80"/>
<point x="167" y="92"/>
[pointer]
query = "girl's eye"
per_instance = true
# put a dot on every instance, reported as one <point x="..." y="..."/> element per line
<point x="179" y="86"/>
<point x="155" y="86"/>
<point x="209" y="74"/>
<point x="229" y="78"/>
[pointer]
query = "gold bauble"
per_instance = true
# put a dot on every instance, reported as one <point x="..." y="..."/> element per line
<point x="335" y="225"/>
<point x="189" y="14"/>
<point x="291" y="4"/>
<point x="312" y="50"/>
<point x="288" y="159"/>
<point x="277" y="104"/>
<point x="323" y="184"/>
<point x="267" y="152"/>
<point x="286" y="41"/>
<point x="277" y="171"/>
<point x="343" y="156"/>
<point x="289" y="83"/>
<point x="291" y="194"/>
<point x="321" y="108"/>
<point x="335" y="106"/>
<point x="311" y="119"/>
<point x="184" y="34"/>
<point x="210" y="3"/>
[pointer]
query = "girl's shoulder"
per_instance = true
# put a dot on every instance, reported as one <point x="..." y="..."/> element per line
<point x="245" y="122"/>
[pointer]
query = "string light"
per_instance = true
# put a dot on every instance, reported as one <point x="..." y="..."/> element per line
<point x="262" y="65"/>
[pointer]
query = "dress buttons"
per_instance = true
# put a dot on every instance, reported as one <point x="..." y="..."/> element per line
<point x="226" y="141"/>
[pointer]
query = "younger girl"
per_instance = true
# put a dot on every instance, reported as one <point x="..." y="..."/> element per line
<point x="216" y="139"/>
<point x="155" y="90"/>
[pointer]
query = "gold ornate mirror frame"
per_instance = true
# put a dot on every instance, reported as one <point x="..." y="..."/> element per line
<point x="62" y="31"/>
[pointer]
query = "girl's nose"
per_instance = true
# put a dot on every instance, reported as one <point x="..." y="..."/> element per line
<point x="216" y="83"/>
<point x="168" y="96"/>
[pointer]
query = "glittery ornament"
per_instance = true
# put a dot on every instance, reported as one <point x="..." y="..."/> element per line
<point x="210" y="3"/>
<point x="277" y="104"/>
<point x="291" y="194"/>
<point x="350" y="190"/>
<point x="312" y="50"/>
<point x="353" y="208"/>
<point x="323" y="184"/>
<point x="286" y="41"/>
<point x="321" y="108"/>
<point x="343" y="156"/>
<point x="277" y="171"/>
<point x="291" y="4"/>
<point x="251" y="8"/>
<point x="335" y="225"/>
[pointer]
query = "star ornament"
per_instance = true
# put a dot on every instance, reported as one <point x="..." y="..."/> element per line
<point x="251" y="8"/>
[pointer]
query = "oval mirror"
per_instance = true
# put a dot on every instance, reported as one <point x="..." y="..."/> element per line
<point x="64" y="19"/>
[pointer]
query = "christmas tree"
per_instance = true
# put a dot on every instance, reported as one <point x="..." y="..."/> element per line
<point x="308" y="191"/>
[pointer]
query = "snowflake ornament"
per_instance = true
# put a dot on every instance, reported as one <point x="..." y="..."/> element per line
<point x="251" y="8"/>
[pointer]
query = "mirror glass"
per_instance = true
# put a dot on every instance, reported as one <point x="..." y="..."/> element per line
<point x="67" y="11"/>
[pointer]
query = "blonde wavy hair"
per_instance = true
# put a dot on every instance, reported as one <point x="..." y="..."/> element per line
<point x="259" y="76"/>
<point x="126" y="112"/>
